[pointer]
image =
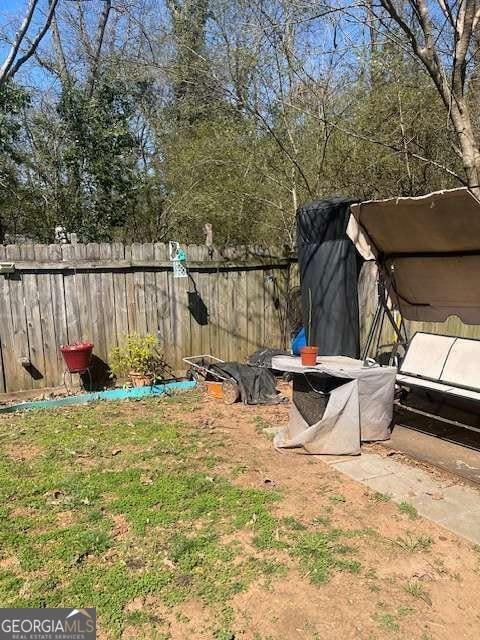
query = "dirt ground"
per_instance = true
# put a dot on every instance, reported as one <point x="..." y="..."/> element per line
<point x="407" y="588"/>
<point x="105" y="469"/>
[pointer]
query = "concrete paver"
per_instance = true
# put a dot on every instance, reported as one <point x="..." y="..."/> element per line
<point x="466" y="525"/>
<point x="365" y="467"/>
<point x="454" y="507"/>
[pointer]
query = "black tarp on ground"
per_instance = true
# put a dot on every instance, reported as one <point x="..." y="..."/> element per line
<point x="257" y="384"/>
<point x="329" y="267"/>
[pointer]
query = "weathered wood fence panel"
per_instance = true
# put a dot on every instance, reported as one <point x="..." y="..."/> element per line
<point x="101" y="292"/>
<point x="59" y="294"/>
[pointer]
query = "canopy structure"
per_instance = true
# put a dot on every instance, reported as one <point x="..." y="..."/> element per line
<point x="428" y="252"/>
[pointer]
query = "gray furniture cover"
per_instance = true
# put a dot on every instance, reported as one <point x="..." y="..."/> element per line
<point x="359" y="410"/>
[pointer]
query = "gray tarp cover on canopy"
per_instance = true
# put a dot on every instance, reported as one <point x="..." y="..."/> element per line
<point x="428" y="249"/>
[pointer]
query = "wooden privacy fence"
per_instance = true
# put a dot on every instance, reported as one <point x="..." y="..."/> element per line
<point x="59" y="294"/>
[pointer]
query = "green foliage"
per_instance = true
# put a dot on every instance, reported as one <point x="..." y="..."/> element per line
<point x="204" y="119"/>
<point x="13" y="99"/>
<point x="138" y="354"/>
<point x="98" y="156"/>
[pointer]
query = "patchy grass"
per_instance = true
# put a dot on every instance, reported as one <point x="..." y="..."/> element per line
<point x="118" y="505"/>
<point x="261" y="424"/>
<point x="414" y="543"/>
<point x="320" y="553"/>
<point x="408" y="509"/>
<point x="415" y="589"/>
<point x="388" y="621"/>
<point x="380" y="497"/>
<point x="167" y="527"/>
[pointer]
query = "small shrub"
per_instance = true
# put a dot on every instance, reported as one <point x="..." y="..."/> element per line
<point x="141" y="355"/>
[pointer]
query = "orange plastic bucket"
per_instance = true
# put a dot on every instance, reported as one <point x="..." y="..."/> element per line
<point x="215" y="389"/>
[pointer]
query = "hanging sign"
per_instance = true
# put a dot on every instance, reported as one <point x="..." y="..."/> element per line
<point x="178" y="258"/>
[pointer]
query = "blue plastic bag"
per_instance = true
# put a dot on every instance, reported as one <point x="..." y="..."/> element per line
<point x="299" y="341"/>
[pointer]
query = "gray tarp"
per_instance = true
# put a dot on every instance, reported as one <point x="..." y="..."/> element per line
<point x="359" y="410"/>
<point x="428" y="249"/>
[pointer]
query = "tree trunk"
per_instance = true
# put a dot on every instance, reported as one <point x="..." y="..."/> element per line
<point x="460" y="117"/>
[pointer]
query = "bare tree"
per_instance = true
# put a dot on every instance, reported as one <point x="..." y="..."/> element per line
<point x="15" y="59"/>
<point x="441" y="35"/>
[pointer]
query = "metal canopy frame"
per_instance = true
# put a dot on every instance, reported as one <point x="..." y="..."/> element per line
<point x="383" y="311"/>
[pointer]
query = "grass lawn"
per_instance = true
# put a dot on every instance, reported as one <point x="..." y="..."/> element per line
<point x="149" y="516"/>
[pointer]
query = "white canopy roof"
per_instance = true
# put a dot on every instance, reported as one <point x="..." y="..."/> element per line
<point x="428" y="249"/>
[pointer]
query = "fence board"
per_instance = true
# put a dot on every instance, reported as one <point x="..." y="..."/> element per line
<point x="139" y="291"/>
<point x="82" y="292"/>
<point x="194" y="285"/>
<point x="57" y="292"/>
<point x="269" y="323"/>
<point x="7" y="351"/>
<point x="46" y="311"/>
<point x="165" y="335"/>
<point x="203" y="280"/>
<point x="132" y="312"/>
<point x="120" y="294"/>
<point x="223" y="315"/>
<point x="71" y="301"/>
<point x="34" y="324"/>
<point x="21" y="379"/>
<point x="151" y="317"/>
<point x="255" y="309"/>
<point x="101" y="292"/>
<point x="95" y="299"/>
<point x="108" y="301"/>
<point x="213" y="312"/>
<point x="241" y="312"/>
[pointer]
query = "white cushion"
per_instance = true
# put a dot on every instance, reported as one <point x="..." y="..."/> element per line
<point x="426" y="355"/>
<point x="463" y="364"/>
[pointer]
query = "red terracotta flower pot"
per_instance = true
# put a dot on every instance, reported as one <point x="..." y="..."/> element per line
<point x="309" y="356"/>
<point x="77" y="356"/>
<point x="140" y="379"/>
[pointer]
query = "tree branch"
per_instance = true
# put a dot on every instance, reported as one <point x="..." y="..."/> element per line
<point x="100" y="35"/>
<point x="34" y="44"/>
<point x="19" y="36"/>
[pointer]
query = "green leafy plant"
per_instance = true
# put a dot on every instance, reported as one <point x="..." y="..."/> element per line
<point x="140" y="355"/>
